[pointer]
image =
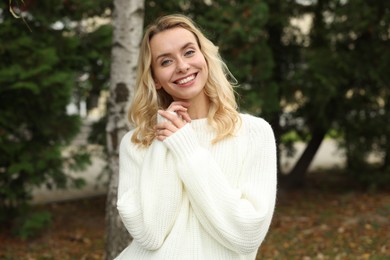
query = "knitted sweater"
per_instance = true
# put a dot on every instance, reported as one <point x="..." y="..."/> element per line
<point x="185" y="198"/>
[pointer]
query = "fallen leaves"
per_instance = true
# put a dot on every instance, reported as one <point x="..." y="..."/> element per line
<point x="308" y="225"/>
<point x="329" y="225"/>
<point x="77" y="232"/>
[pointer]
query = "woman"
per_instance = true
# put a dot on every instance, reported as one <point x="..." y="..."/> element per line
<point x="197" y="179"/>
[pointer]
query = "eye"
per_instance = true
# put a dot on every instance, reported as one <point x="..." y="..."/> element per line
<point x="166" y="62"/>
<point x="189" y="53"/>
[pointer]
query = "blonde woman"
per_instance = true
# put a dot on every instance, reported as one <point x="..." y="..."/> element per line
<point x="197" y="178"/>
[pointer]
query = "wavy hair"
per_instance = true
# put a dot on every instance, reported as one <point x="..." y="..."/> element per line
<point x="222" y="116"/>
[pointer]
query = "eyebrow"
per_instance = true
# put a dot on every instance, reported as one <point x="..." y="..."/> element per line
<point x="182" y="48"/>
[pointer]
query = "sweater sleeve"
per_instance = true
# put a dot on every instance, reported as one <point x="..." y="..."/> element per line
<point x="149" y="194"/>
<point x="237" y="217"/>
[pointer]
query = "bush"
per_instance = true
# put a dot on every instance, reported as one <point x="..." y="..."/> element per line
<point x="32" y="224"/>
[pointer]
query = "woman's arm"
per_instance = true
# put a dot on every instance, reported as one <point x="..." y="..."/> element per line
<point x="149" y="193"/>
<point x="238" y="218"/>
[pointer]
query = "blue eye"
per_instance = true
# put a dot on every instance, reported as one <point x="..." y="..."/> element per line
<point x="165" y="62"/>
<point x="189" y="52"/>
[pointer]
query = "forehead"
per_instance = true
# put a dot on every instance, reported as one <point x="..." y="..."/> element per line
<point x="171" y="40"/>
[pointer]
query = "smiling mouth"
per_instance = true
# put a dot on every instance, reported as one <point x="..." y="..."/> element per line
<point x="185" y="80"/>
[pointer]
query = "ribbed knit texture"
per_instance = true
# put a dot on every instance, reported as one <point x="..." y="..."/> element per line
<point x="186" y="198"/>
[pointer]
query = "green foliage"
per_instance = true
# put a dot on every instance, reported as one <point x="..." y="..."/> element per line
<point x="32" y="224"/>
<point x="375" y="178"/>
<point x="98" y="134"/>
<point x="345" y="79"/>
<point x="95" y="50"/>
<point x="39" y="76"/>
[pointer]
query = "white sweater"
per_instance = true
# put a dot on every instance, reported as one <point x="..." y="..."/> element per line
<point x="186" y="198"/>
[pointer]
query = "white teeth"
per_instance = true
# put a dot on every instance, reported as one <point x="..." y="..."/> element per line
<point x="183" y="81"/>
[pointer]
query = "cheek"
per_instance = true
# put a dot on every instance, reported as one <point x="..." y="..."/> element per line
<point x="203" y="63"/>
<point x="163" y="75"/>
<point x="158" y="76"/>
<point x="205" y="67"/>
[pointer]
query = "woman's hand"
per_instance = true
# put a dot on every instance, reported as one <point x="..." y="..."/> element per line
<point x="175" y="121"/>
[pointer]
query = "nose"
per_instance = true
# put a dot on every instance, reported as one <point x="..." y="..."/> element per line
<point x="182" y="66"/>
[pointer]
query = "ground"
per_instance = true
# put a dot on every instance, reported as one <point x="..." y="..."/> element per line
<point x="310" y="223"/>
<point x="76" y="232"/>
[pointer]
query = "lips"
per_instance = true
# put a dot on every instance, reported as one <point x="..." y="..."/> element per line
<point x="185" y="80"/>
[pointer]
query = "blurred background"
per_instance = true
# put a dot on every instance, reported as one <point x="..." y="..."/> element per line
<point x="317" y="70"/>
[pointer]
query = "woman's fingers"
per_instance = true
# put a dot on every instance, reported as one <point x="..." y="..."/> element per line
<point x="164" y="130"/>
<point x="185" y="116"/>
<point x="180" y="107"/>
<point x="173" y="118"/>
<point x="176" y="104"/>
<point x="176" y="120"/>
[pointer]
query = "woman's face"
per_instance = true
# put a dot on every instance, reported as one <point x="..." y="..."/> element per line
<point x="178" y="65"/>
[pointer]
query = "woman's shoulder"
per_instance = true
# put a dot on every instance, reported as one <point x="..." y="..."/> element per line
<point x="256" y="130"/>
<point x="128" y="149"/>
<point x="126" y="138"/>
<point x="253" y="124"/>
<point x="126" y="143"/>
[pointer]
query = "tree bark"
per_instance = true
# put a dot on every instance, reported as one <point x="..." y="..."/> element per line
<point x="297" y="176"/>
<point x="128" y="18"/>
<point x="275" y="32"/>
<point x="386" y="159"/>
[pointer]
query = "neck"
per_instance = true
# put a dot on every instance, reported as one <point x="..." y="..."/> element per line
<point x="199" y="108"/>
<point x="197" y="114"/>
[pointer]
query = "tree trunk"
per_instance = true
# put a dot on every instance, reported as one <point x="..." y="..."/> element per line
<point x="296" y="177"/>
<point x="274" y="121"/>
<point x="386" y="159"/>
<point x="275" y="32"/>
<point x="128" y="18"/>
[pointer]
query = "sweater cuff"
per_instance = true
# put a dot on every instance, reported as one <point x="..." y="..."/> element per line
<point x="183" y="142"/>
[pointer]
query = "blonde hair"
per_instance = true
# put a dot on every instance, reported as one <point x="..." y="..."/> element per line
<point x="222" y="116"/>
